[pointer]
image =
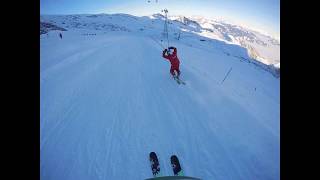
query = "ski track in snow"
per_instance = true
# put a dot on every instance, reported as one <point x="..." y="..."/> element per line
<point x="107" y="101"/>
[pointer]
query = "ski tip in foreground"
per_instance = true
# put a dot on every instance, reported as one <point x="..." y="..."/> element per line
<point x="176" y="167"/>
<point x="154" y="162"/>
<point x="174" y="158"/>
<point x="174" y="178"/>
<point x="152" y="154"/>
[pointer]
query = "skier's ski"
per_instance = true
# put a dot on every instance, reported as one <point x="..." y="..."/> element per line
<point x="178" y="175"/>
<point x="177" y="171"/>
<point x="174" y="178"/>
<point x="176" y="79"/>
<point x="179" y="81"/>
<point x="155" y="167"/>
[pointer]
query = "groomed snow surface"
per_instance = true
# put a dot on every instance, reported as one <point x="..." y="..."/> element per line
<point x="107" y="101"/>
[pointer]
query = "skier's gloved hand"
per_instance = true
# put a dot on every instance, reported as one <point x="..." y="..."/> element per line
<point x="165" y="50"/>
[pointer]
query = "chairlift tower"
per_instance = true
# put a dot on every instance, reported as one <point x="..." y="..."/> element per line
<point x="165" y="31"/>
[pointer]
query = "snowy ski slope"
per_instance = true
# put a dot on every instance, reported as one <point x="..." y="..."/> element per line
<point x="107" y="100"/>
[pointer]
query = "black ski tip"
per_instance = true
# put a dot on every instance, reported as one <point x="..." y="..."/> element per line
<point x="154" y="163"/>
<point x="176" y="167"/>
<point x="153" y="155"/>
<point x="174" y="158"/>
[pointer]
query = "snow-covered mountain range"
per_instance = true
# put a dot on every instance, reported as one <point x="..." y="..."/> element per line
<point x="262" y="49"/>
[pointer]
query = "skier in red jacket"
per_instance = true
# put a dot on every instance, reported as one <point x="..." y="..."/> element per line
<point x="171" y="55"/>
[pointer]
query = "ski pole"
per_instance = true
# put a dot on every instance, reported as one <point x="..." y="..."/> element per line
<point x="226" y="75"/>
<point x="157" y="42"/>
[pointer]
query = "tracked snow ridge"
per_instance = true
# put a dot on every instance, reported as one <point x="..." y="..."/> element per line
<point x="45" y="27"/>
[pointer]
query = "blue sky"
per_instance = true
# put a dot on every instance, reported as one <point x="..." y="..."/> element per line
<point x="263" y="15"/>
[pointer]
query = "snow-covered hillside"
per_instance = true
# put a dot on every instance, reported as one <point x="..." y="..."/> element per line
<point x="107" y="100"/>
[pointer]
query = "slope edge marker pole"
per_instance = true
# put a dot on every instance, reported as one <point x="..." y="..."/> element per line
<point x="226" y="75"/>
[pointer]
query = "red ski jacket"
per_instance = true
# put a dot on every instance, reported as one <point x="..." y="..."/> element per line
<point x="173" y="58"/>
